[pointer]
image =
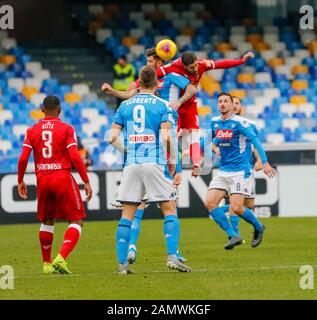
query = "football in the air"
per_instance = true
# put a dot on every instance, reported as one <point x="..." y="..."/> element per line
<point x="166" y="49"/>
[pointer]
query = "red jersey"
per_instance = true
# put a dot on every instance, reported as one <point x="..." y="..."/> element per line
<point x="203" y="66"/>
<point x="50" y="139"/>
<point x="54" y="145"/>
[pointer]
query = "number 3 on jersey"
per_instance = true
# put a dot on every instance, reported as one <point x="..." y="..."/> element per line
<point x="139" y="118"/>
<point x="47" y="137"/>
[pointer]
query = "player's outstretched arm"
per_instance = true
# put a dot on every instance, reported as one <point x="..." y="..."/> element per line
<point x="22" y="164"/>
<point x="226" y="64"/>
<point x="124" y="95"/>
<point x="190" y="91"/>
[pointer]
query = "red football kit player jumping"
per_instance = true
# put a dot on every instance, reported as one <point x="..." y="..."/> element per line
<point x="55" y="149"/>
<point x="192" y="68"/>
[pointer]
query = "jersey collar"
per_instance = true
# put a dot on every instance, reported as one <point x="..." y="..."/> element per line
<point x="228" y="118"/>
<point x="51" y="119"/>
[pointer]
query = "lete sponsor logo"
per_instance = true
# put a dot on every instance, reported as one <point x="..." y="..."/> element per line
<point x="141" y="138"/>
<point x="224" y="134"/>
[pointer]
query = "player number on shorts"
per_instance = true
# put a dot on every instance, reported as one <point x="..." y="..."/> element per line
<point x="139" y="118"/>
<point x="238" y="186"/>
<point x="47" y="137"/>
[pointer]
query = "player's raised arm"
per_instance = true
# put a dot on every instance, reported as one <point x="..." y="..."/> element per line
<point x="226" y="64"/>
<point x="124" y="95"/>
<point x="190" y="91"/>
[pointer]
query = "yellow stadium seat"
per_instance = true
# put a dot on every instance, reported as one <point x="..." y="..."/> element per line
<point x="28" y="91"/>
<point x="274" y="62"/>
<point x="209" y="85"/>
<point x="245" y="78"/>
<point x="240" y="93"/>
<point x="299" y="84"/>
<point x="204" y="111"/>
<point x="261" y="46"/>
<point x="95" y="25"/>
<point x="155" y="16"/>
<point x="112" y="8"/>
<point x="72" y="97"/>
<point x="223" y="47"/>
<point x="254" y="38"/>
<point x="300" y="69"/>
<point x="248" y="22"/>
<point x="298" y="99"/>
<point x="7" y="59"/>
<point x="188" y="31"/>
<point x="104" y="16"/>
<point x="204" y="15"/>
<point x="1" y="106"/>
<point x="129" y="41"/>
<point x="312" y="46"/>
<point x="36" y="114"/>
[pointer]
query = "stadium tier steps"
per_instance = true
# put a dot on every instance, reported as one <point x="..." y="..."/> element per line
<point x="28" y="75"/>
<point x="278" y="88"/>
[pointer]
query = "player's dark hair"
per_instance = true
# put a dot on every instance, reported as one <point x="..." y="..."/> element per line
<point x="225" y="94"/>
<point x="235" y="97"/>
<point x="148" y="78"/>
<point x="151" y="52"/>
<point x="188" y="57"/>
<point x="51" y="103"/>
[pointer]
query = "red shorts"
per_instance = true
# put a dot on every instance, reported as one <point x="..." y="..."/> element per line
<point x="59" y="197"/>
<point x="188" y="118"/>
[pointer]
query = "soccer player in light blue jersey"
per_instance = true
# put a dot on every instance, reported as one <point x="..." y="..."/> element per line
<point x="147" y="121"/>
<point x="231" y="133"/>
<point x="176" y="89"/>
<point x="256" y="165"/>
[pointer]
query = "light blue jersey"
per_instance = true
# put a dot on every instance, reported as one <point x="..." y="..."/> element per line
<point x="231" y="137"/>
<point x="170" y="88"/>
<point x="141" y="117"/>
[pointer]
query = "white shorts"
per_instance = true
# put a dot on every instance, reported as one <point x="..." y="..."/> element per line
<point x="146" y="178"/>
<point x="250" y="187"/>
<point x="231" y="182"/>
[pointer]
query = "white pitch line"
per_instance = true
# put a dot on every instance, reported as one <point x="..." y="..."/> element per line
<point x="57" y="276"/>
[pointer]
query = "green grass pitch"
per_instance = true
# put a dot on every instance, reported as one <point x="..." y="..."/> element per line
<point x="270" y="271"/>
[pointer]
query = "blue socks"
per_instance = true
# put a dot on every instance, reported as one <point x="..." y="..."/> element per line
<point x="234" y="219"/>
<point x="221" y="219"/>
<point x="123" y="239"/>
<point x="135" y="228"/>
<point x="249" y="217"/>
<point x="171" y="232"/>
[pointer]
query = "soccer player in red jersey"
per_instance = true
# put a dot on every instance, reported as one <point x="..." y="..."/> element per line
<point x="54" y="145"/>
<point x="191" y="67"/>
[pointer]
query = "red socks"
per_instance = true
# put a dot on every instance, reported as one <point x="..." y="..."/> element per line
<point x="71" y="238"/>
<point x="46" y="235"/>
<point x="195" y="153"/>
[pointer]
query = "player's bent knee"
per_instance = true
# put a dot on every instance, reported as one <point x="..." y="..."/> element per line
<point x="237" y="209"/>
<point x="210" y="205"/>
